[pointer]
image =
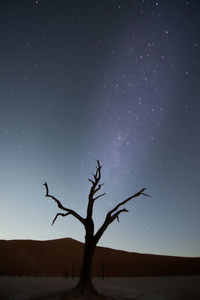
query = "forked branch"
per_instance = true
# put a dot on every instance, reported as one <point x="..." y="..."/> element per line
<point x="69" y="211"/>
<point x="95" y="181"/>
<point x="141" y="192"/>
<point x="110" y="217"/>
<point x="59" y="214"/>
<point x="116" y="215"/>
<point x="96" y="186"/>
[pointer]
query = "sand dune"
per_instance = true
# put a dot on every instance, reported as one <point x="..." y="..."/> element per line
<point x="63" y="256"/>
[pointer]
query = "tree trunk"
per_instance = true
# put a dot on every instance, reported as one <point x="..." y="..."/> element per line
<point x="85" y="285"/>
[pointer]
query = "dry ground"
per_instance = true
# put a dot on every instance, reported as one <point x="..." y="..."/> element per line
<point x="140" y="288"/>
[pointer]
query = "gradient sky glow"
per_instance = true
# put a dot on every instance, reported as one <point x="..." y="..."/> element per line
<point x="113" y="80"/>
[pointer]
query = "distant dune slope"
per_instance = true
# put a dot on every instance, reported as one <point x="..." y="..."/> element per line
<point x="63" y="257"/>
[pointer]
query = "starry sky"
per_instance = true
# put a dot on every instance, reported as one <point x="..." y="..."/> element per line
<point x="114" y="80"/>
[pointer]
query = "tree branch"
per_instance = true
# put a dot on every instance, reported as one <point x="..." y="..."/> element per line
<point x="128" y="199"/>
<point x="99" y="187"/>
<point x="97" y="175"/>
<point x="110" y="218"/>
<point x="96" y="186"/>
<point x="69" y="211"/>
<point x="91" y="180"/>
<point x="59" y="214"/>
<point x="116" y="215"/>
<point x="99" y="196"/>
<point x="55" y="199"/>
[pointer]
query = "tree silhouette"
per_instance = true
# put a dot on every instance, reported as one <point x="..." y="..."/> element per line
<point x="85" y="285"/>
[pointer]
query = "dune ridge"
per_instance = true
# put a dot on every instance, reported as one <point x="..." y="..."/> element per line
<point x="62" y="257"/>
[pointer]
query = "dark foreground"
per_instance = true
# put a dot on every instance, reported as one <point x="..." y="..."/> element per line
<point x="140" y="288"/>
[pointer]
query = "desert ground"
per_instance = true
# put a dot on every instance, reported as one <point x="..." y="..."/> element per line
<point x="140" y="288"/>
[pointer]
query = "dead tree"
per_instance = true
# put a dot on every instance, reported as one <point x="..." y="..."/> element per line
<point x="85" y="285"/>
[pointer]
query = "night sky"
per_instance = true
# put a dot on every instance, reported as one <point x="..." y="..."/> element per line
<point x="113" y="80"/>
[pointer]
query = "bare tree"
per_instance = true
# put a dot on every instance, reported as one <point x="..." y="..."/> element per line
<point x="91" y="239"/>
